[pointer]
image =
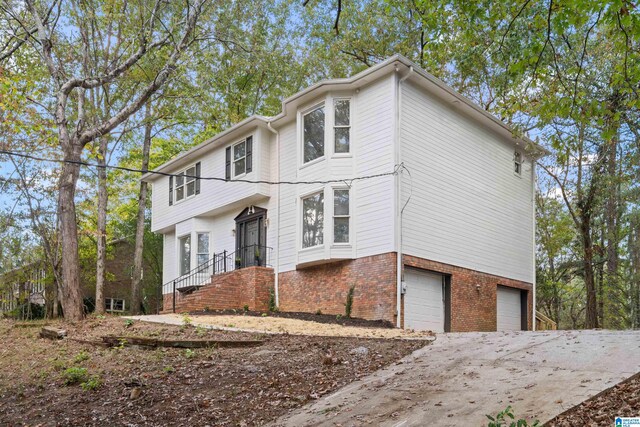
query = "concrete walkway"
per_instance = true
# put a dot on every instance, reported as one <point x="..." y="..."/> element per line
<point x="461" y="377"/>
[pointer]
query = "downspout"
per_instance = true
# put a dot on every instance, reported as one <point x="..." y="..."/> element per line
<point x="399" y="263"/>
<point x="533" y="203"/>
<point x="277" y="263"/>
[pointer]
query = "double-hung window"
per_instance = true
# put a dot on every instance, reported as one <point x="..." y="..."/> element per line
<point x="517" y="163"/>
<point x="203" y="248"/>
<point x="341" y="216"/>
<point x="313" y="134"/>
<point x="114" y="304"/>
<point x="313" y="220"/>
<point x="184" y="249"/>
<point x="184" y="184"/>
<point x="341" y="126"/>
<point x="239" y="158"/>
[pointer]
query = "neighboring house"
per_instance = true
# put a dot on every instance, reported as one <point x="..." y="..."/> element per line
<point x="20" y="285"/>
<point x="446" y="244"/>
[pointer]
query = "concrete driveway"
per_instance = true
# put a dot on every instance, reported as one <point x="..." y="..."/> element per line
<point x="461" y="377"/>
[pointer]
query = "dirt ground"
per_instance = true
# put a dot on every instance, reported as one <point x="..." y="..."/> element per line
<point x="300" y="327"/>
<point x="174" y="387"/>
<point x="622" y="400"/>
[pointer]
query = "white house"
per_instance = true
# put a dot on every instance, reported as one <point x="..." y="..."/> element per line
<point x="389" y="182"/>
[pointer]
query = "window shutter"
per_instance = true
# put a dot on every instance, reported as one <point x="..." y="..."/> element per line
<point x="170" y="190"/>
<point x="198" y="178"/>
<point x="249" y="153"/>
<point x="227" y="173"/>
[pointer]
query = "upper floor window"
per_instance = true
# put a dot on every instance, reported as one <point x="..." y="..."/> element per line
<point x="187" y="184"/>
<point x="342" y="125"/>
<point x="313" y="134"/>
<point x="341" y="216"/>
<point x="517" y="163"/>
<point x="312" y="220"/>
<point x="239" y="158"/>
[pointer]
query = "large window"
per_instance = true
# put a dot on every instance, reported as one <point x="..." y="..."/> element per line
<point x="341" y="126"/>
<point x="313" y="135"/>
<point x="341" y="216"/>
<point x="185" y="254"/>
<point x="312" y="220"/>
<point x="203" y="248"/>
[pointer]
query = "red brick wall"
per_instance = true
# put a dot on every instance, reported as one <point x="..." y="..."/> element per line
<point x="248" y="286"/>
<point x="472" y="309"/>
<point x="325" y="287"/>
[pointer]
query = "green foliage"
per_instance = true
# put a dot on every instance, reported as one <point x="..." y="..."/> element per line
<point x="128" y="323"/>
<point x="186" y="320"/>
<point x="189" y="354"/>
<point x="168" y="369"/>
<point x="246" y="308"/>
<point x="318" y="312"/>
<point x="74" y="375"/>
<point x="272" y="300"/>
<point x="81" y="357"/>
<point x="92" y="384"/>
<point x="348" y="306"/>
<point x="505" y="418"/>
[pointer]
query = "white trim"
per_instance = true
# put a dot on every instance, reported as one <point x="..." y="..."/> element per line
<point x="198" y="243"/>
<point x="533" y="242"/>
<point x="302" y="112"/>
<point x="301" y="198"/>
<point x="175" y="187"/>
<point x="333" y="216"/>
<point x="233" y="160"/>
<point x="179" y="253"/>
<point x="334" y="99"/>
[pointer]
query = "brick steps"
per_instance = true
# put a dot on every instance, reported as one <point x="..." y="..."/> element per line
<point x="248" y="286"/>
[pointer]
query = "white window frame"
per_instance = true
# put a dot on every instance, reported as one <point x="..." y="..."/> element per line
<point x="198" y="253"/>
<point x="334" y="126"/>
<point x="334" y="216"/>
<point x="301" y="116"/>
<point x="111" y="305"/>
<point x="184" y="184"/>
<point x="301" y="216"/>
<point x="234" y="160"/>
<point x="179" y="252"/>
<point x="518" y="161"/>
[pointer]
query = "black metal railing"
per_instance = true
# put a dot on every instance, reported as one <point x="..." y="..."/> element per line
<point x="223" y="262"/>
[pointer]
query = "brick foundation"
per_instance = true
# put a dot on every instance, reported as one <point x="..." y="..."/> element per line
<point x="325" y="288"/>
<point x="473" y="309"/>
<point x="248" y="286"/>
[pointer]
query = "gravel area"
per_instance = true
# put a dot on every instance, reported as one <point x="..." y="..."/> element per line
<point x="298" y="327"/>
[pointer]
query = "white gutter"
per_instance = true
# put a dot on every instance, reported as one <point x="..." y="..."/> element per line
<point x="277" y="269"/>
<point x="533" y="202"/>
<point x="399" y="263"/>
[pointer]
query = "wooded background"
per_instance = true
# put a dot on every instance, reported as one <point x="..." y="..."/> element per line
<point x="134" y="83"/>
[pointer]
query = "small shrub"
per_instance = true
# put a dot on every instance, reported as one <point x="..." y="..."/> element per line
<point x="189" y="354"/>
<point x="338" y="316"/>
<point x="81" y="357"/>
<point x="505" y="418"/>
<point x="128" y="323"/>
<point x="92" y="383"/>
<point x="74" y="376"/>
<point x="349" y="304"/>
<point x="246" y="308"/>
<point x="318" y="312"/>
<point x="265" y="314"/>
<point x="272" y="300"/>
<point x="186" y="320"/>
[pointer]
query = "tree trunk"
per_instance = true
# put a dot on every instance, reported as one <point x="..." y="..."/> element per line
<point x="589" y="279"/>
<point x="101" y="255"/>
<point x="71" y="293"/>
<point x="136" y="282"/>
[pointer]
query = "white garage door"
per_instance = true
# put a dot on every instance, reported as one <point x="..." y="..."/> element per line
<point x="509" y="309"/>
<point x="423" y="301"/>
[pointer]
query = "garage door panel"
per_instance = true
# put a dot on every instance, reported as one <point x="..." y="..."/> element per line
<point x="423" y="301"/>
<point x="509" y="309"/>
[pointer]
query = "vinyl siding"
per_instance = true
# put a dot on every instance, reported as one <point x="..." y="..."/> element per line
<point x="468" y="208"/>
<point x="214" y="195"/>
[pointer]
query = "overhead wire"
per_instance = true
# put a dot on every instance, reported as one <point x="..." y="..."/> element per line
<point x="204" y="178"/>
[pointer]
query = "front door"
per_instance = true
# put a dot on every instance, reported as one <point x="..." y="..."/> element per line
<point x="250" y="238"/>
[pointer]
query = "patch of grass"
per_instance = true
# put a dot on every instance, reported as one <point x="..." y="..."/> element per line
<point x="92" y="383"/>
<point x="200" y="331"/>
<point x="186" y="320"/>
<point x="81" y="357"/>
<point x="168" y="369"/>
<point x="74" y="375"/>
<point x="189" y="354"/>
<point x="129" y="323"/>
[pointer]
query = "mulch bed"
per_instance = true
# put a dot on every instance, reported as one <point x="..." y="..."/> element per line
<point x="320" y="318"/>
<point x="621" y="400"/>
<point x="175" y="387"/>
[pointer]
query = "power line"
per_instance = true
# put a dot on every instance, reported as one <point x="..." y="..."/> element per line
<point x="347" y="181"/>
